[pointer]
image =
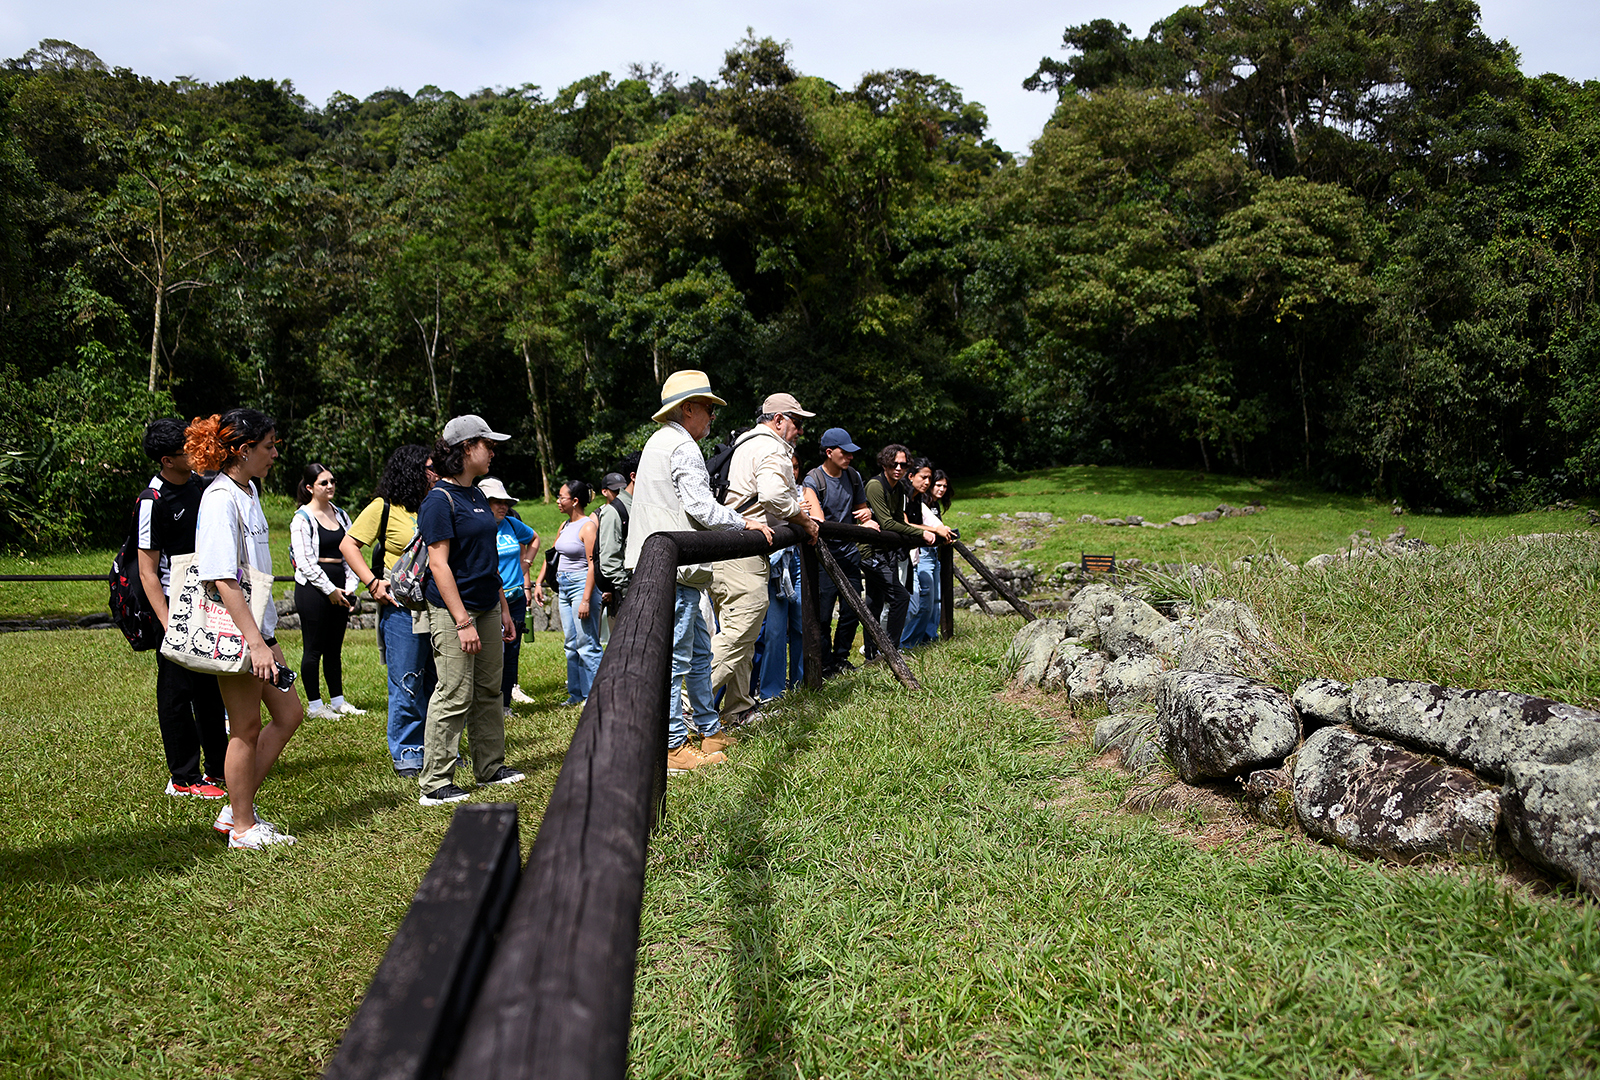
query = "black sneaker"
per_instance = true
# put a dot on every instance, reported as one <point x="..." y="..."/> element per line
<point x="410" y="772"/>
<point x="505" y="775"/>
<point x="441" y="795"/>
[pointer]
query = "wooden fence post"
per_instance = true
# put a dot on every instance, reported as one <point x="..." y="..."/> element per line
<point x="994" y="583"/>
<point x="947" y="592"/>
<point x="889" y="649"/>
<point x="814" y="644"/>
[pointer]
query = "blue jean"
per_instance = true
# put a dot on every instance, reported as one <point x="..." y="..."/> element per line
<point x="409" y="658"/>
<point x="582" y="635"/>
<point x="922" y="619"/>
<point x="781" y="634"/>
<point x="691" y="667"/>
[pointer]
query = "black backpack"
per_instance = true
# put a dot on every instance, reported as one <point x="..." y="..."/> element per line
<point x="130" y="609"/>
<point x="718" y="465"/>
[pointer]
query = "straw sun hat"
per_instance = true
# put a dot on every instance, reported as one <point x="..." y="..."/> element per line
<point x="683" y="386"/>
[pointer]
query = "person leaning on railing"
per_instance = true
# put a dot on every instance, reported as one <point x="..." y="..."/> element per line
<point x="921" y="618"/>
<point x="760" y="486"/>
<point x="672" y="493"/>
<point x="886" y="496"/>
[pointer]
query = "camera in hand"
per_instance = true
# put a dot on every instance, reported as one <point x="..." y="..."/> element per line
<point x="284" y="677"/>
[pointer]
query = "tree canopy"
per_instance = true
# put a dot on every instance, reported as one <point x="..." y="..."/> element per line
<point x="1346" y="240"/>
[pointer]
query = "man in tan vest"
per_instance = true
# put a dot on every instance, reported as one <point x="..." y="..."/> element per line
<point x="761" y="487"/>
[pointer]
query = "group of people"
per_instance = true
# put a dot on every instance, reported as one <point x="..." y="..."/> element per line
<point x="452" y="663"/>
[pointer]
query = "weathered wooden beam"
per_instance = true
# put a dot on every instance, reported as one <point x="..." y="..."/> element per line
<point x="994" y="583"/>
<point x="558" y="998"/>
<point x="815" y="645"/>
<point x="974" y="593"/>
<point x="886" y="648"/>
<point x="411" y="1017"/>
<point x="947" y="592"/>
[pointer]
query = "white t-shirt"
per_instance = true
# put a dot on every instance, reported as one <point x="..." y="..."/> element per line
<point x="231" y="523"/>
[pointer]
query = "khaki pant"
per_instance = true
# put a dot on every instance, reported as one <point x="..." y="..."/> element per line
<point x="739" y="591"/>
<point x="466" y="696"/>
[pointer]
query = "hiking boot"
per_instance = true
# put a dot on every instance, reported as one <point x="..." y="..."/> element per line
<point x="441" y="795"/>
<point x="711" y="744"/>
<point x="686" y="759"/>
<point x="505" y="775"/>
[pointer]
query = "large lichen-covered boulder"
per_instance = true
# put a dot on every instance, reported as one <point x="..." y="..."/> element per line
<point x="1552" y="813"/>
<point x="1059" y="668"/>
<point x="1129" y="625"/>
<point x="1131" y="679"/>
<point x="1225" y="641"/>
<point x="1085" y="681"/>
<point x="1083" y="612"/>
<point x="1482" y="729"/>
<point x="1377" y="798"/>
<point x="1132" y="736"/>
<point x="1322" y="702"/>
<point x="1222" y="726"/>
<point x="1032" y="648"/>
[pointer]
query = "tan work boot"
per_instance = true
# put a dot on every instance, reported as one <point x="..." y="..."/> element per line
<point x="710" y="744"/>
<point x="686" y="759"/>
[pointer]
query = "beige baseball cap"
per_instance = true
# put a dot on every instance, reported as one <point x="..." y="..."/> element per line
<point x="784" y="403"/>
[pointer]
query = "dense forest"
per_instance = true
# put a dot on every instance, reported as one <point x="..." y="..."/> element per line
<point x="1346" y="241"/>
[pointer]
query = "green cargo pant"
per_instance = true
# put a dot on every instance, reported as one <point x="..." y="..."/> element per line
<point x="466" y="696"/>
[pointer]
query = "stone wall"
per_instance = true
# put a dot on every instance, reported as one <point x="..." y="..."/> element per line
<point x="1384" y="767"/>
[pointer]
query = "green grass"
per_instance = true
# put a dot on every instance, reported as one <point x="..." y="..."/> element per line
<point x="1519" y="615"/>
<point x="1298" y="522"/>
<point x="881" y="884"/>
<point x="132" y="942"/>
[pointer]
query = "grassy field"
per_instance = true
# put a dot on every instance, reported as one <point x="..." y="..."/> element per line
<point x="944" y="884"/>
<point x="881" y="884"/>
<point x="1297" y="523"/>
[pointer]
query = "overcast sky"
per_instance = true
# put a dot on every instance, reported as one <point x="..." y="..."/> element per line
<point x="360" y="46"/>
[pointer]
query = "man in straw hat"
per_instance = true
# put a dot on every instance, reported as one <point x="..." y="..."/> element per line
<point x="672" y="493"/>
<point x="760" y="486"/>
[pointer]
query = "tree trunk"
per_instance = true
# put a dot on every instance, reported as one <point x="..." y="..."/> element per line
<point x="541" y="425"/>
<point x="1305" y="413"/>
<point x="155" y="333"/>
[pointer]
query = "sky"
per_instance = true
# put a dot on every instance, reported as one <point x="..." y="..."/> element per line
<point x="985" y="47"/>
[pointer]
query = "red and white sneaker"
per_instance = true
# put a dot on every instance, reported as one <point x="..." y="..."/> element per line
<point x="205" y="789"/>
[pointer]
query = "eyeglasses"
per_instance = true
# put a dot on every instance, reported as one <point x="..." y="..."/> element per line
<point x="898" y="465"/>
<point x="795" y="420"/>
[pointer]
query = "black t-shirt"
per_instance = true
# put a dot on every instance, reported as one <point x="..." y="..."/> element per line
<point x="462" y="516"/>
<point x="165" y="523"/>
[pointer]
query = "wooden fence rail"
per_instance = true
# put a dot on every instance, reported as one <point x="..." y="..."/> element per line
<point x="557" y="998"/>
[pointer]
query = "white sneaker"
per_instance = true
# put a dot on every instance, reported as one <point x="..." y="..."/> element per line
<point x="321" y="711"/>
<point x="224" y="822"/>
<point x="348" y="709"/>
<point x="258" y="836"/>
<point x="506" y="713"/>
<point x="519" y="697"/>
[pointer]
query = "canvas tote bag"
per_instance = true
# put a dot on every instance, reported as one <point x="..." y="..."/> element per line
<point x="201" y="635"/>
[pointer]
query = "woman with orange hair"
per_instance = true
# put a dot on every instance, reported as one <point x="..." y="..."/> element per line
<point x="230" y="539"/>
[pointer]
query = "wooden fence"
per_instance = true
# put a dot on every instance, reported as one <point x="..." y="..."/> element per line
<point x="556" y="998"/>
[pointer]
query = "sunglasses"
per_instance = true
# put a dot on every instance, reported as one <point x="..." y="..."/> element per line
<point x="898" y="465"/>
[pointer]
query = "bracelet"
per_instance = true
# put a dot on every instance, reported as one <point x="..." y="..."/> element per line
<point x="463" y="624"/>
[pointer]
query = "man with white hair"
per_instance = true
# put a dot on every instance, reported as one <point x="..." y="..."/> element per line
<point x="761" y="487"/>
<point x="672" y="493"/>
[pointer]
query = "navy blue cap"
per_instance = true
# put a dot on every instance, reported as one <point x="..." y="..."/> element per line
<point x="838" y="436"/>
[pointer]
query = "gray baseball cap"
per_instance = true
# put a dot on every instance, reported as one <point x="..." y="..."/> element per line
<point x="614" y="482"/>
<point x="470" y="426"/>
